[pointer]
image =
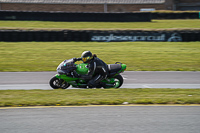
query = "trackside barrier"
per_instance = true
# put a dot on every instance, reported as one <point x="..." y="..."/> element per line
<point x="99" y="35"/>
<point x="194" y="15"/>
<point x="76" y="17"/>
<point x="95" y="17"/>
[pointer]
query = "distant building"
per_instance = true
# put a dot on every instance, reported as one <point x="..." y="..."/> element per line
<point x="187" y="5"/>
<point x="98" y="5"/>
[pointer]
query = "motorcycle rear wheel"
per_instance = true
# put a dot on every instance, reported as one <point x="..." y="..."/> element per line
<point x="57" y="83"/>
<point x="118" y="82"/>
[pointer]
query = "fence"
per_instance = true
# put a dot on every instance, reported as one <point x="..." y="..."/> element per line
<point x="99" y="36"/>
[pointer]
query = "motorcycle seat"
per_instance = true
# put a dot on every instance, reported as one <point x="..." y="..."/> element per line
<point x="114" y="67"/>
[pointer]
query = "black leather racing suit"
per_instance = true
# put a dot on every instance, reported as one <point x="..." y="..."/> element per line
<point x="98" y="70"/>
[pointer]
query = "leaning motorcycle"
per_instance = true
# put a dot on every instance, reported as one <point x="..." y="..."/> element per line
<point x="66" y="77"/>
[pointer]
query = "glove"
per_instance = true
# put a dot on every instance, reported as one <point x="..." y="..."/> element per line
<point x="77" y="59"/>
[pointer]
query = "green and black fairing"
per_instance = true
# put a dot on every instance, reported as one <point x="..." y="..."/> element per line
<point x="65" y="72"/>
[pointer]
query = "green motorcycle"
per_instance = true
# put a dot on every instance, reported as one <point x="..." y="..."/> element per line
<point x="66" y="77"/>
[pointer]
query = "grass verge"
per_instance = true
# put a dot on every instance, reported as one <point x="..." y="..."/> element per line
<point x="139" y="56"/>
<point x="16" y="98"/>
<point x="155" y="24"/>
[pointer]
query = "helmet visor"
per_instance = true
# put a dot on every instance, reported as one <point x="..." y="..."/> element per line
<point x="86" y="58"/>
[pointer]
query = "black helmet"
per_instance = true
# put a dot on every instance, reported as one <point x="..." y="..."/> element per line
<point x="86" y="56"/>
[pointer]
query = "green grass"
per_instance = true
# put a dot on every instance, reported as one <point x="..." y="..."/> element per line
<point x="98" y="97"/>
<point x="155" y="24"/>
<point x="139" y="56"/>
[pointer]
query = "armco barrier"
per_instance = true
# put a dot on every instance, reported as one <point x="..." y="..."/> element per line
<point x="76" y="17"/>
<point x="99" y="36"/>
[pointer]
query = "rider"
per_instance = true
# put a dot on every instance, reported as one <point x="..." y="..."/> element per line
<point x="98" y="70"/>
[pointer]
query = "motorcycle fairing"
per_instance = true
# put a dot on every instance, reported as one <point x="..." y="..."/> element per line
<point x="82" y="68"/>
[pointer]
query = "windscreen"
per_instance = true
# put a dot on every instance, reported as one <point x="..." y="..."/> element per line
<point x="64" y="63"/>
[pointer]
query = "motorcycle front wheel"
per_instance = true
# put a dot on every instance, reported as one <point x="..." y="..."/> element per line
<point x="57" y="83"/>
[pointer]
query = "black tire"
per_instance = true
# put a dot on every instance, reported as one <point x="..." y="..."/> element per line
<point x="119" y="81"/>
<point x="57" y="83"/>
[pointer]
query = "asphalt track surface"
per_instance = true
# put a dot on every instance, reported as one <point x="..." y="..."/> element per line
<point x="132" y="79"/>
<point x="101" y="119"/>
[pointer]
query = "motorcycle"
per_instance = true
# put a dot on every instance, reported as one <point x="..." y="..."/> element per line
<point x="66" y="75"/>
